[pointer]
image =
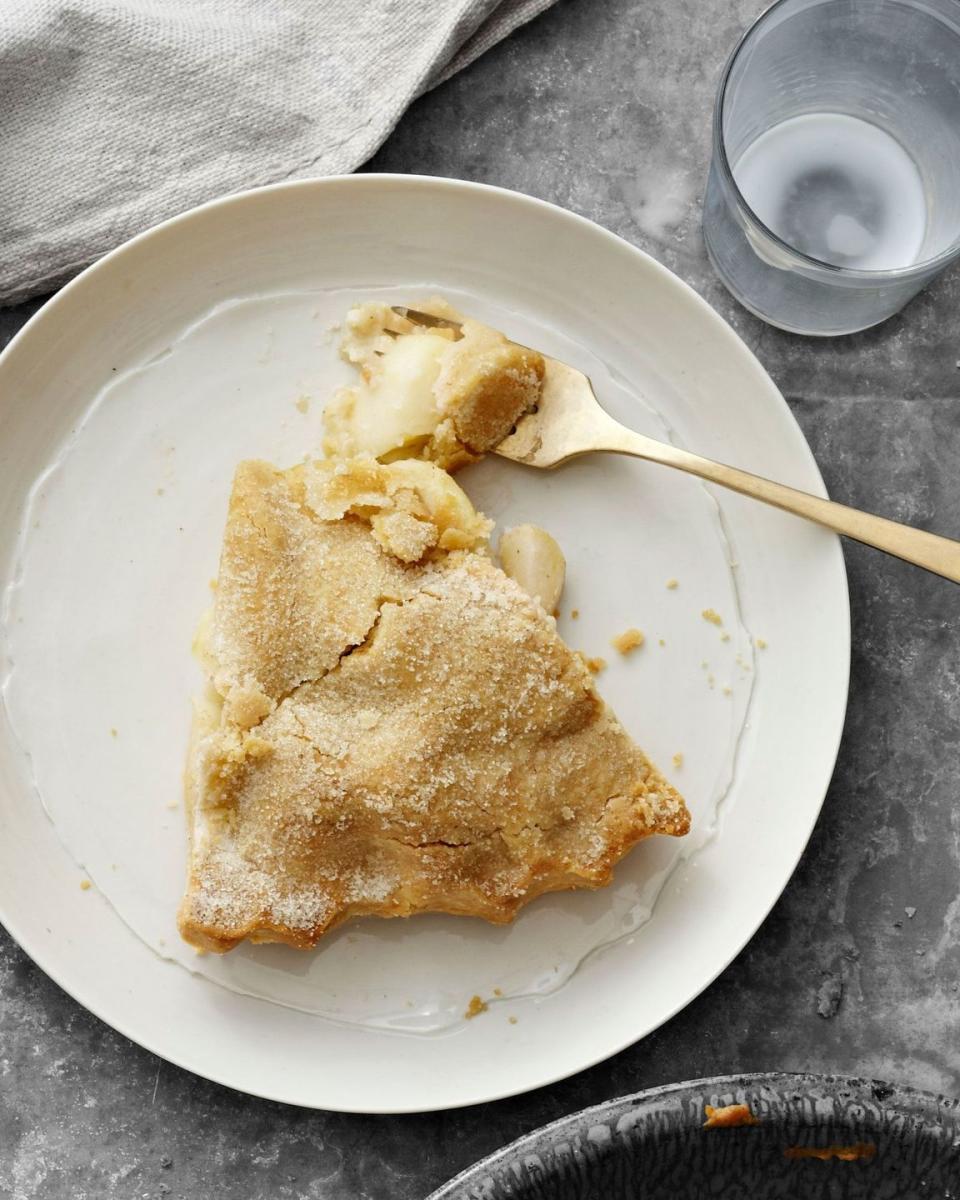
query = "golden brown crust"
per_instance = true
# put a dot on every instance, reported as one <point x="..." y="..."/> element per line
<point x="451" y="755"/>
<point x="485" y="386"/>
<point x="293" y="593"/>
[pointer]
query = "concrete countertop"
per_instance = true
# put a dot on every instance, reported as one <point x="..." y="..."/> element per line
<point x="605" y="108"/>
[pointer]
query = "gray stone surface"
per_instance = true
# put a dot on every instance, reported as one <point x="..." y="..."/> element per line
<point x="604" y="107"/>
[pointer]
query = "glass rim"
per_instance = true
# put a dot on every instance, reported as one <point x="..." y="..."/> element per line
<point x="921" y="267"/>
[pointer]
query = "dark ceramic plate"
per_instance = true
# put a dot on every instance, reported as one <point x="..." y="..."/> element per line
<point x="817" y="1136"/>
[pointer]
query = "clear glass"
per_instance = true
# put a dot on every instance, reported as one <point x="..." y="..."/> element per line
<point x="834" y="188"/>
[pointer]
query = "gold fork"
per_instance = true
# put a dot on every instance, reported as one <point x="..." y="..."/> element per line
<point x="569" y="422"/>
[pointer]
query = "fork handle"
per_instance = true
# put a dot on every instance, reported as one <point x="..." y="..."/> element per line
<point x="941" y="555"/>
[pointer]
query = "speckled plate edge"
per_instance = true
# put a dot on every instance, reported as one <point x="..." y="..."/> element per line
<point x="797" y="1104"/>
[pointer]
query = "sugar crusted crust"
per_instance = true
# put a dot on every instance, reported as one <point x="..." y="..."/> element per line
<point x="384" y="737"/>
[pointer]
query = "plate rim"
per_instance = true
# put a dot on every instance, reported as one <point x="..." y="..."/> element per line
<point x="39" y="955"/>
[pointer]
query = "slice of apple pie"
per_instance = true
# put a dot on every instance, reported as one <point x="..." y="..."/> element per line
<point x="392" y="725"/>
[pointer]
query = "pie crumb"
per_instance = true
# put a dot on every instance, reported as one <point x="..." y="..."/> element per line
<point x="574" y="614"/>
<point x="672" y="584"/>
<point x="302" y="404"/>
<point x="475" y="1008"/>
<point x="678" y="760"/>
<point x="497" y="992"/>
<point x="724" y="637"/>
<point x="628" y="641"/>
<point x="865" y="1150"/>
<point x="728" y="1116"/>
<point x="512" y="1020"/>
<point x="662" y="642"/>
<point x="113" y="732"/>
<point x="85" y="885"/>
<point x="595" y="665"/>
<point x="728" y="691"/>
<point x="711" y="615"/>
<point x="761" y="643"/>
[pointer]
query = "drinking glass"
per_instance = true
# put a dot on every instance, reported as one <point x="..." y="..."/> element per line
<point x="834" y="187"/>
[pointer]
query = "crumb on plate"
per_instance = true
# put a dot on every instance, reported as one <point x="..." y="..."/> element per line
<point x="729" y="1116"/>
<point x="859" y="1150"/>
<point x="475" y="1008"/>
<point x="628" y="641"/>
<point x="711" y="615"/>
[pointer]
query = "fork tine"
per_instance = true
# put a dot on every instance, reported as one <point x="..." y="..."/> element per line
<point x="428" y="320"/>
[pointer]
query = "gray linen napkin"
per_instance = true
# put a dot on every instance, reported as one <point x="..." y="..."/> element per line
<point x="117" y="113"/>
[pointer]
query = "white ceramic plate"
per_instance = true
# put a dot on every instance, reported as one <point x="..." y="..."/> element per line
<point x="131" y="396"/>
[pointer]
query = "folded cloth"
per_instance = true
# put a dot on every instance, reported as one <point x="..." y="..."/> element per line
<point x="118" y="113"/>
